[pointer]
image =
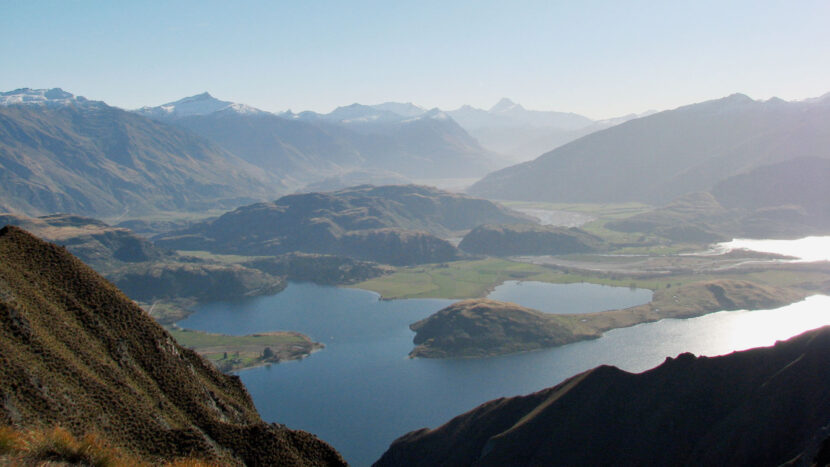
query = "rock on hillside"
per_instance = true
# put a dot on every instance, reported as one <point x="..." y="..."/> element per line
<point x="510" y="240"/>
<point x="767" y="406"/>
<point x="76" y="352"/>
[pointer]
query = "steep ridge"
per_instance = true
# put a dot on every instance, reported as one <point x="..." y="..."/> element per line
<point x="766" y="406"/>
<point x="76" y="352"/>
<point x="85" y="157"/>
<point x="657" y="158"/>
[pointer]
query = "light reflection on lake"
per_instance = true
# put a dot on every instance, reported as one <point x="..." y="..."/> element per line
<point x="805" y="249"/>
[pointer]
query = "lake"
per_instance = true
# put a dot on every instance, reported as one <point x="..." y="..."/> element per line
<point x="805" y="249"/>
<point x="362" y="392"/>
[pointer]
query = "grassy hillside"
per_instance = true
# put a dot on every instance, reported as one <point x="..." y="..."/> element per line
<point x="76" y="352"/>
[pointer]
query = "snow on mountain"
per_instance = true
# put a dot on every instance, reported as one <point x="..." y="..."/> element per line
<point x="48" y="97"/>
<point x="406" y="109"/>
<point x="200" y="104"/>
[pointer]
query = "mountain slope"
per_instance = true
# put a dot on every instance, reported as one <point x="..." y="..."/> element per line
<point x="307" y="147"/>
<point x="76" y="352"/>
<point x="659" y="157"/>
<point x="428" y="145"/>
<point x="763" y="406"/>
<point x="92" y="159"/>
<point x="293" y="150"/>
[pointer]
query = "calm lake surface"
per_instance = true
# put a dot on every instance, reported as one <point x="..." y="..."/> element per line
<point x="362" y="392"/>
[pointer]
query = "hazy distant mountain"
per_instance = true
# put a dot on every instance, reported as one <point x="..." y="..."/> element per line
<point x="388" y="224"/>
<point x="520" y="134"/>
<point x="60" y="153"/>
<point x="308" y="147"/>
<point x="657" y="158"/>
<point x="427" y="145"/>
<point x="407" y="109"/>
<point x="295" y="151"/>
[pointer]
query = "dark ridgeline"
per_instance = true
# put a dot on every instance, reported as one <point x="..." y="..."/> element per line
<point x="76" y="352"/>
<point x="766" y="406"/>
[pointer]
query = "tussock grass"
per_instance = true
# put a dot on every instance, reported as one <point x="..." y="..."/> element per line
<point x="58" y="446"/>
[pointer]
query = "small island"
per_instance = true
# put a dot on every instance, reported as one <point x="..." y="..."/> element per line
<point x="232" y="353"/>
<point x="484" y="328"/>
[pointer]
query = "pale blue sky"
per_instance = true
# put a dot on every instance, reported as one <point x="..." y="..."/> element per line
<point x="598" y="58"/>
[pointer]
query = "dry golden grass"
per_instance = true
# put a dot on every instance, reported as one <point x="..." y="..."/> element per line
<point x="57" y="446"/>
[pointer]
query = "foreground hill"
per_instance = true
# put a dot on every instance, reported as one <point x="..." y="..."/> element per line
<point x="388" y="224"/>
<point x="85" y="157"/>
<point x="76" y="352"/>
<point x="659" y="157"/>
<point x="767" y="406"/>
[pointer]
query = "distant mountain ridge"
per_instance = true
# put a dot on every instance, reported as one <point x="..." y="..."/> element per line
<point x="307" y="147"/>
<point x="520" y="134"/>
<point x="659" y="157"/>
<point x="59" y="153"/>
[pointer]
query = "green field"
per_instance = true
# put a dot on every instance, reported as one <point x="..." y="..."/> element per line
<point x="472" y="279"/>
<point x="226" y="259"/>
<point x="197" y="340"/>
<point x="231" y="353"/>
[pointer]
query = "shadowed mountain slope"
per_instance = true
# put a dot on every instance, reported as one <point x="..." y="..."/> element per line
<point x="76" y="352"/>
<point x="761" y="407"/>
<point x="657" y="158"/>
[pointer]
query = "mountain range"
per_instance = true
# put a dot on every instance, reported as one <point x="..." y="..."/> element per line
<point x="61" y="153"/>
<point x="520" y="134"/>
<point x="659" y="157"/>
<point x="308" y="146"/>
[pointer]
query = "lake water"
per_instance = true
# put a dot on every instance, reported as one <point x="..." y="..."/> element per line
<point x="805" y="249"/>
<point x="362" y="392"/>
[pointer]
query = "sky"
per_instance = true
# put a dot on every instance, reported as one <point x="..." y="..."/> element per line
<point x="596" y="58"/>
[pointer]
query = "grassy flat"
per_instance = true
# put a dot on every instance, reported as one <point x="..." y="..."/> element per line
<point x="231" y="353"/>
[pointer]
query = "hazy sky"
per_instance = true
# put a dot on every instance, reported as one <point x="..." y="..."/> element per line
<point x="597" y="58"/>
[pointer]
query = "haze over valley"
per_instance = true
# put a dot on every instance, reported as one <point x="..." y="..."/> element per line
<point x="432" y="234"/>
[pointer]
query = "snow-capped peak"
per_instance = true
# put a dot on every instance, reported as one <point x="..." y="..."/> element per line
<point x="200" y="104"/>
<point x="48" y="97"/>
<point x="504" y="105"/>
